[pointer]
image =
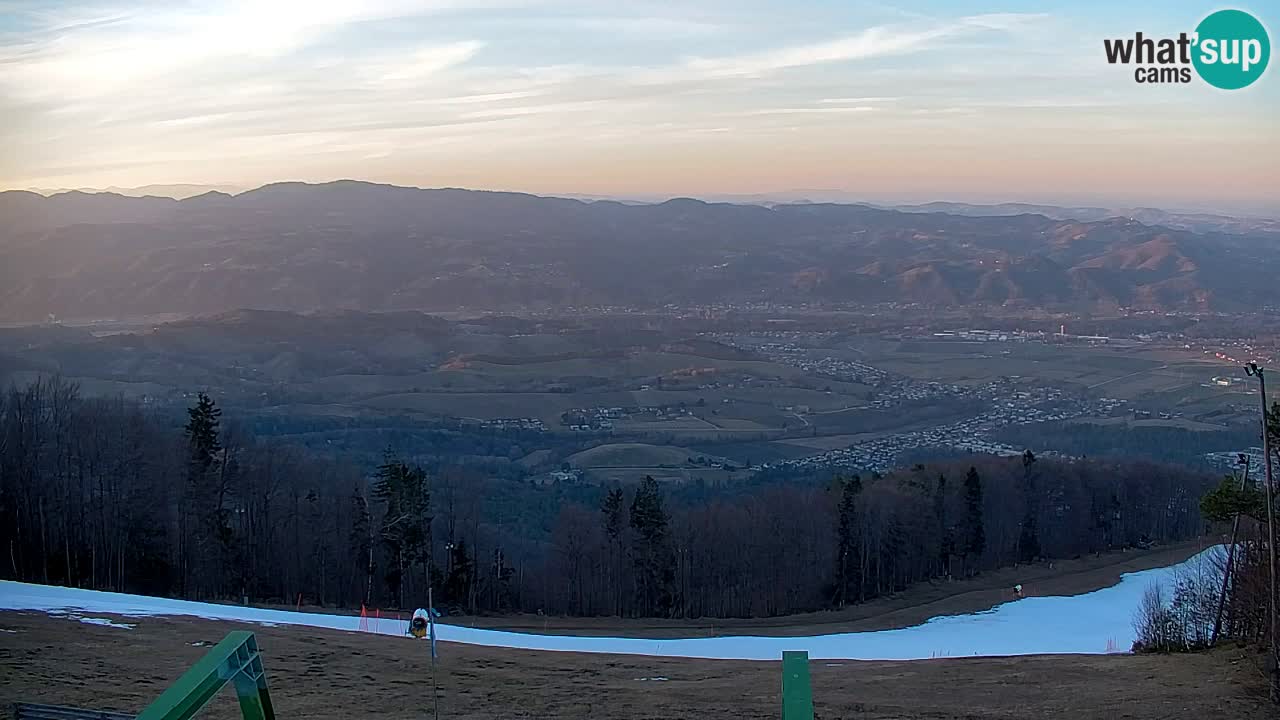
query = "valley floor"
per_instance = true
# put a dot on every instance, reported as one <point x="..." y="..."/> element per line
<point x="329" y="674"/>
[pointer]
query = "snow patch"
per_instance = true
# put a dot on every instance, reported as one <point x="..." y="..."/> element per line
<point x="105" y="622"/>
<point x="1091" y="624"/>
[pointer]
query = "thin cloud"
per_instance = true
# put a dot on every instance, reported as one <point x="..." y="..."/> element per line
<point x="858" y="100"/>
<point x="813" y="110"/>
<point x="74" y="55"/>
<point x="871" y="43"/>
<point x="427" y="61"/>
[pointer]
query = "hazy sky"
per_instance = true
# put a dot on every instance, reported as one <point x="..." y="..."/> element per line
<point x="896" y="100"/>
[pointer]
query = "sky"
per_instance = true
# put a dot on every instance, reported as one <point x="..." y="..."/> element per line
<point x="881" y="101"/>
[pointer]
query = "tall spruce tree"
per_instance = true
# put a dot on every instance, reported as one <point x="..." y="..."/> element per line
<point x="975" y="534"/>
<point x="406" y="521"/>
<point x="652" y="554"/>
<point x="613" y="507"/>
<point x="946" y="533"/>
<point x="203" y="420"/>
<point x="204" y="522"/>
<point x="848" y="543"/>
<point x="1029" y="535"/>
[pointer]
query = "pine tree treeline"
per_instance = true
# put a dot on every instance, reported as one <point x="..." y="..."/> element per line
<point x="784" y="549"/>
<point x="98" y="493"/>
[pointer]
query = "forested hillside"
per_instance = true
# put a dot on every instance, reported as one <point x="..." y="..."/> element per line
<point x="355" y="245"/>
<point x="99" y="493"/>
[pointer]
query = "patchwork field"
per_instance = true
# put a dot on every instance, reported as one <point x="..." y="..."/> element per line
<point x="1159" y="378"/>
<point x="491" y="406"/>
<point x="635" y="455"/>
<point x="329" y="381"/>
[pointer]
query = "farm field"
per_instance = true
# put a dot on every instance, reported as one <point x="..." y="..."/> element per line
<point x="493" y="405"/>
<point x="1156" y="377"/>
<point x="623" y="463"/>
<point x="350" y="388"/>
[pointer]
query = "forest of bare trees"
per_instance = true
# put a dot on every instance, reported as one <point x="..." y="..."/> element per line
<point x="101" y="493"/>
<point x="1239" y="608"/>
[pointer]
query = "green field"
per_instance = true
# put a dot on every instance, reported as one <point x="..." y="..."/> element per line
<point x="626" y="455"/>
<point x="494" y="405"/>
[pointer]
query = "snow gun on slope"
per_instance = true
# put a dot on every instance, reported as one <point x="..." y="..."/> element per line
<point x="420" y="623"/>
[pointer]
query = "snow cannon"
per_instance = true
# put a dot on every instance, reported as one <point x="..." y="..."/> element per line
<point x="419" y="624"/>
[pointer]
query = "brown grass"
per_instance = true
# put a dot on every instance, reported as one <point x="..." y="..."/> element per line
<point x="329" y="674"/>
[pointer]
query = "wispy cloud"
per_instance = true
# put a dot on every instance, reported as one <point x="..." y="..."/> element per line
<point x="137" y="91"/>
<point x="74" y="53"/>
<point x="424" y="62"/>
<point x="873" y="42"/>
<point x="813" y="110"/>
<point x="858" y="100"/>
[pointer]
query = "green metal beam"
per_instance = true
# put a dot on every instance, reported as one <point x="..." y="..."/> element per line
<point x="797" y="693"/>
<point x="235" y="660"/>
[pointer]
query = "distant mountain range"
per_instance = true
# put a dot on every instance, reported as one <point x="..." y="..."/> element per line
<point x="179" y="191"/>
<point x="1178" y="219"/>
<point x="1198" y="222"/>
<point x="355" y="245"/>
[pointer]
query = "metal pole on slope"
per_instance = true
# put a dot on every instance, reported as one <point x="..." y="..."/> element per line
<point x="1231" y="555"/>
<point x="431" y="620"/>
<point x="1268" y="491"/>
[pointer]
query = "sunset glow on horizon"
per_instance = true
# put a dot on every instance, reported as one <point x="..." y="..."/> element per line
<point x="910" y="101"/>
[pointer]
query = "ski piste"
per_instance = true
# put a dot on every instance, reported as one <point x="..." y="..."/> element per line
<point x="1098" y="622"/>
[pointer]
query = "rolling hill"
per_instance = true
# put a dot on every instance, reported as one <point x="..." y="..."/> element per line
<point x="354" y="245"/>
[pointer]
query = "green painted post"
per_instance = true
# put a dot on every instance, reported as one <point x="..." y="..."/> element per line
<point x="797" y="693"/>
<point x="234" y="660"/>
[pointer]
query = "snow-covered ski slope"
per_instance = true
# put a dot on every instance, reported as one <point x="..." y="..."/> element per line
<point x="1093" y="623"/>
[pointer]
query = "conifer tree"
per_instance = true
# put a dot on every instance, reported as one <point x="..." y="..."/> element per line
<point x="848" y="543"/>
<point x="613" y="508"/>
<point x="946" y="533"/>
<point x="1029" y="535"/>
<point x="975" y="535"/>
<point x="204" y="530"/>
<point x="406" y="521"/>
<point x="652" y="555"/>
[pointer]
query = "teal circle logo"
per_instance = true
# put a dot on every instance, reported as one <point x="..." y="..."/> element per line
<point x="1232" y="49"/>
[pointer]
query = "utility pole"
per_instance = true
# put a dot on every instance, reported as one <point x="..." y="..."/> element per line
<point x="1231" y="555"/>
<point x="1268" y="491"/>
<point x="431" y="619"/>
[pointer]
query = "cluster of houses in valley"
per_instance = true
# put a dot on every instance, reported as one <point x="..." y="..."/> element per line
<point x="602" y="419"/>
<point x="1006" y="402"/>
<point x="528" y="424"/>
<point x="595" y="419"/>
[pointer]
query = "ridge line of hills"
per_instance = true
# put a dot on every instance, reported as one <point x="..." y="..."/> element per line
<point x="366" y="246"/>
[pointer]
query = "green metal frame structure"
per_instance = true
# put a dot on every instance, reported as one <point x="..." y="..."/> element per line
<point x="797" y="692"/>
<point x="235" y="660"/>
